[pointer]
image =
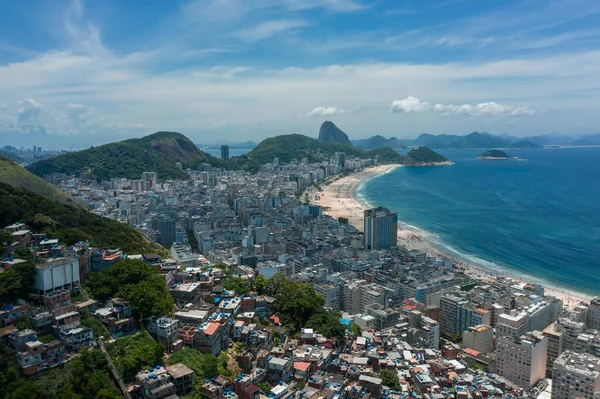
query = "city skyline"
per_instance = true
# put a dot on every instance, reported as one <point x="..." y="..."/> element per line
<point x="80" y="73"/>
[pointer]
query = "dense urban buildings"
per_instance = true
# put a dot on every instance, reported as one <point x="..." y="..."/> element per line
<point x="231" y="238"/>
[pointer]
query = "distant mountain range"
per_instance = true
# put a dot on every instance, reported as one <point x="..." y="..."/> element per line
<point x="473" y="140"/>
<point x="487" y="140"/>
<point x="377" y="142"/>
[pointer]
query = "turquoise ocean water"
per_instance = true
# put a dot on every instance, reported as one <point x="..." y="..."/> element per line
<point x="539" y="217"/>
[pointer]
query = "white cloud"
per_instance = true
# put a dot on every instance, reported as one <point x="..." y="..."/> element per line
<point x="410" y="104"/>
<point x="29" y="112"/>
<point x="268" y="29"/>
<point x="324" y="111"/>
<point x="488" y="109"/>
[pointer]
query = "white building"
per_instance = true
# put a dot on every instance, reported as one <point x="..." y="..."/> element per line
<point x="523" y="360"/>
<point x="57" y="273"/>
<point x="575" y="375"/>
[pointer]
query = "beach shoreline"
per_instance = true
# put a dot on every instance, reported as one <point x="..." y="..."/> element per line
<point x="341" y="198"/>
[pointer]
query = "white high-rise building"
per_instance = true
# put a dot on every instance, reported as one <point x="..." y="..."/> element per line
<point x="575" y="375"/>
<point x="523" y="360"/>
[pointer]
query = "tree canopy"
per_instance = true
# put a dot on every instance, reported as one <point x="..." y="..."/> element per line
<point x="134" y="353"/>
<point x="133" y="280"/>
<point x="390" y="379"/>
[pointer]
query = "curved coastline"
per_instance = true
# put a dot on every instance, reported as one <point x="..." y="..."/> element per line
<point x="345" y="198"/>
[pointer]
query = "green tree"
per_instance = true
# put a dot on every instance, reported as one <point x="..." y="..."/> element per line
<point x="259" y="284"/>
<point x="143" y="286"/>
<point x="343" y="220"/>
<point x="236" y="284"/>
<point x="265" y="387"/>
<point x="355" y="329"/>
<point x="132" y="354"/>
<point x="16" y="282"/>
<point x="327" y="324"/>
<point x="204" y="365"/>
<point x="390" y="379"/>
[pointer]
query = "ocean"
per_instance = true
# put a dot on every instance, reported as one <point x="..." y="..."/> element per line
<point x="537" y="217"/>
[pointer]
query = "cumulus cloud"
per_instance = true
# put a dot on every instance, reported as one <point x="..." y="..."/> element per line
<point x="29" y="112"/>
<point x="410" y="104"/>
<point x="324" y="111"/>
<point x="487" y="109"/>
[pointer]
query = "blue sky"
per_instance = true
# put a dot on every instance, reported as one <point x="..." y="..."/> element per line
<point x="89" y="72"/>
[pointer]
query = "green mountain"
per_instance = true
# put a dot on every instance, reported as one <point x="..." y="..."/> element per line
<point x="377" y="142"/>
<point x="423" y="156"/>
<point x="157" y="152"/>
<point x="329" y="132"/>
<point x="296" y="146"/>
<point x="494" y="154"/>
<point x="16" y="176"/>
<point x="28" y="199"/>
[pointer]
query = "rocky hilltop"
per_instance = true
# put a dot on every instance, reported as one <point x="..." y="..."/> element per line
<point x="330" y="133"/>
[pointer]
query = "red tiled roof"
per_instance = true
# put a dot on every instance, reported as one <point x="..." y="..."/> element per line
<point x="302" y="366"/>
<point x="211" y="328"/>
<point x="471" y="352"/>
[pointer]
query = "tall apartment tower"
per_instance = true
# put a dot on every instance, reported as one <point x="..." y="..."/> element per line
<point x="225" y="152"/>
<point x="340" y="159"/>
<point x="381" y="228"/>
<point x="166" y="228"/>
<point x="523" y="360"/>
<point x="151" y="178"/>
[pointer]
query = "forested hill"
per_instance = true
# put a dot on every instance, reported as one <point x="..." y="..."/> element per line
<point x="67" y="223"/>
<point x="16" y="176"/>
<point x="424" y="156"/>
<point x="158" y="152"/>
<point x="296" y="146"/>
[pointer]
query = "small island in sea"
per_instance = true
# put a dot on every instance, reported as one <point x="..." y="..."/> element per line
<point x="494" y="154"/>
<point x="424" y="156"/>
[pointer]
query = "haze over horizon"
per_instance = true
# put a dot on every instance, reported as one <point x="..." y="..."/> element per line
<point x="78" y="73"/>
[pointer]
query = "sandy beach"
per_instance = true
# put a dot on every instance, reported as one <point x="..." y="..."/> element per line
<point x="339" y="200"/>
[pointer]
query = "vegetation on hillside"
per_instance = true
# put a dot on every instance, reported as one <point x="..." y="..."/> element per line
<point x="494" y="154"/>
<point x="142" y="285"/>
<point x="16" y="282"/>
<point x="390" y="379"/>
<point x="11" y="156"/>
<point x="135" y="353"/>
<point x="423" y="156"/>
<point x="86" y="376"/>
<point x="17" y="176"/>
<point x="205" y="366"/>
<point x="157" y="152"/>
<point x="296" y="146"/>
<point x="298" y="306"/>
<point x="67" y="223"/>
